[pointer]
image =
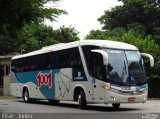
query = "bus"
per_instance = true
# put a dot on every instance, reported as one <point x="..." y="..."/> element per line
<point x="87" y="72"/>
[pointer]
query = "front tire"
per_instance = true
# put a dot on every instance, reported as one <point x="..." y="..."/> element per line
<point x="82" y="100"/>
<point x="53" y="101"/>
<point x="116" y="106"/>
<point x="26" y="97"/>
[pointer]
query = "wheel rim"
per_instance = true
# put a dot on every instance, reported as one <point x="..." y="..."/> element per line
<point x="26" y="96"/>
<point x="79" y="99"/>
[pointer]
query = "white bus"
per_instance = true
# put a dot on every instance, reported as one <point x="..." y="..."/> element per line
<point x="88" y="71"/>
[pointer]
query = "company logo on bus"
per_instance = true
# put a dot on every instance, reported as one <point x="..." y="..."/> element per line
<point x="44" y="79"/>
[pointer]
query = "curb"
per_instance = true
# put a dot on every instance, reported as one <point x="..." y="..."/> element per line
<point x="7" y="97"/>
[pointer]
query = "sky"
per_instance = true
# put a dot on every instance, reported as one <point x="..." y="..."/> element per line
<point x="82" y="14"/>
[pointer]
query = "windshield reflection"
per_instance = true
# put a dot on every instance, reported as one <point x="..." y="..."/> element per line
<point x="136" y="67"/>
<point x="125" y="68"/>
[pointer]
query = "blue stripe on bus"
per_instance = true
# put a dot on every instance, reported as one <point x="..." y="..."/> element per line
<point x="25" y="77"/>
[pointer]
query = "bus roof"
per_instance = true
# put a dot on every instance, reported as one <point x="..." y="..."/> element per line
<point x="61" y="46"/>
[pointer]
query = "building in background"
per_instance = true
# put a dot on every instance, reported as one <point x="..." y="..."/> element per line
<point x="4" y="74"/>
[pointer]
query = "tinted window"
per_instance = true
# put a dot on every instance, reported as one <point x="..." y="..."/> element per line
<point x="47" y="60"/>
<point x="19" y="66"/>
<point x="56" y="60"/>
<point x="125" y="68"/>
<point x="87" y="53"/>
<point x="25" y="64"/>
<point x="13" y="66"/>
<point x="68" y="58"/>
<point x="97" y="68"/>
<point x="94" y="62"/>
<point x="117" y="69"/>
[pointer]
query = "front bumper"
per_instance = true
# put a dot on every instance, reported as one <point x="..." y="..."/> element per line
<point x="112" y="97"/>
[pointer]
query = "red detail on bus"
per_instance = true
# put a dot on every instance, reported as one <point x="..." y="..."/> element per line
<point x="131" y="99"/>
<point x="44" y="79"/>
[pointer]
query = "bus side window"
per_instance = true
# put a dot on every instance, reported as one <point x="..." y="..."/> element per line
<point x="63" y="59"/>
<point x="94" y="63"/>
<point x="75" y="59"/>
<point x="19" y="67"/>
<point x="13" y="66"/>
<point x="69" y="58"/>
<point x="45" y="61"/>
<point x="97" y="69"/>
<point x="55" y="58"/>
<point x="48" y="61"/>
<point x="25" y="64"/>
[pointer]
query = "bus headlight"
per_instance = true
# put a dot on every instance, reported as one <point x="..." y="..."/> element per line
<point x="106" y="87"/>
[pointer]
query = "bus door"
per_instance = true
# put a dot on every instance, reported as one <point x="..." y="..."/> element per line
<point x="97" y="73"/>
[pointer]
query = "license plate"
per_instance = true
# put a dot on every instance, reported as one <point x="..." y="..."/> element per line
<point x="131" y="99"/>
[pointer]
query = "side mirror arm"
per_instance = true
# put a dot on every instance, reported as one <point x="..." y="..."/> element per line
<point x="150" y="58"/>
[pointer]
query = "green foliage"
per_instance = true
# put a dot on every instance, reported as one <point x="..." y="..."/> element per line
<point x="15" y="13"/>
<point x="96" y="34"/>
<point x="139" y="14"/>
<point x="19" y="22"/>
<point x="66" y="34"/>
<point x="5" y="40"/>
<point x="35" y="36"/>
<point x="144" y="43"/>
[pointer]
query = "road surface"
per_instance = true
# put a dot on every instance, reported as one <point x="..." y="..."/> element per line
<point x="64" y="109"/>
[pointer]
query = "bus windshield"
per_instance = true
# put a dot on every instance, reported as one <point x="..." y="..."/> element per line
<point x="125" y="68"/>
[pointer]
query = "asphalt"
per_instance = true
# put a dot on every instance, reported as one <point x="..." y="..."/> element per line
<point x="17" y="109"/>
<point x="13" y="97"/>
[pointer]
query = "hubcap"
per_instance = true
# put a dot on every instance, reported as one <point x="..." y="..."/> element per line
<point x="26" y="96"/>
<point x="79" y="98"/>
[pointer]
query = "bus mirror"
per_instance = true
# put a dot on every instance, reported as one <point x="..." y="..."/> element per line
<point x="104" y="54"/>
<point x="150" y="58"/>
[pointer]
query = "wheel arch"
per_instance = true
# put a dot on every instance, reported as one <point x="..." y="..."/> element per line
<point x="76" y="92"/>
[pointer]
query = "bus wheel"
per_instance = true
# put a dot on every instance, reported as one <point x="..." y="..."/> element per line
<point x="26" y="95"/>
<point x="116" y="106"/>
<point x="82" y="100"/>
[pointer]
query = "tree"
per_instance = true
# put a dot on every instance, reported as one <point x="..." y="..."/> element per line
<point x="97" y="34"/>
<point x="35" y="36"/>
<point x="67" y="34"/>
<point x="141" y="14"/>
<point x="144" y="43"/>
<point x="15" y="14"/>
